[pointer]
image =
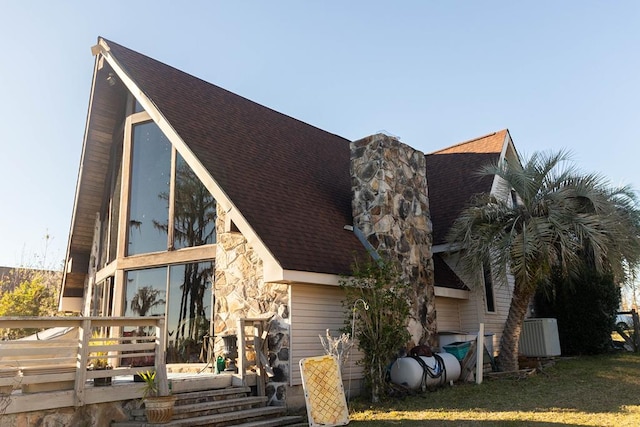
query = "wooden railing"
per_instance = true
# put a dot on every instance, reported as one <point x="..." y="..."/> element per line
<point x="254" y="340"/>
<point x="130" y="344"/>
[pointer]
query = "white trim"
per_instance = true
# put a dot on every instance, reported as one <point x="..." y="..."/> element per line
<point x="451" y="293"/>
<point x="271" y="266"/>
<point x="445" y="247"/>
<point x="306" y="277"/>
<point x="73" y="304"/>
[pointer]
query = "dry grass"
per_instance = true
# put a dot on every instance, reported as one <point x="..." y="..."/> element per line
<point x="585" y="391"/>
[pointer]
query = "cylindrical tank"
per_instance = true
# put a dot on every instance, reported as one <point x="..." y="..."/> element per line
<point x="408" y="372"/>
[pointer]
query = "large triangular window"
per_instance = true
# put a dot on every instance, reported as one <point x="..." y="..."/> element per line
<point x="164" y="190"/>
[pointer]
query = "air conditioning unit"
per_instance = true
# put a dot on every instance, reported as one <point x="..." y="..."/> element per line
<point x="539" y="338"/>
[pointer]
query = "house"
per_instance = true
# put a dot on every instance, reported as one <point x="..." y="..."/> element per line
<point x="452" y="178"/>
<point x="205" y="207"/>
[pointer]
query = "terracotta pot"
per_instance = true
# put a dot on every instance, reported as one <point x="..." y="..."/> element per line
<point x="159" y="409"/>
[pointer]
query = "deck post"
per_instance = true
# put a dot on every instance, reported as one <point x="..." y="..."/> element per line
<point x="84" y="335"/>
<point x="242" y="357"/>
<point x="259" y="341"/>
<point x="161" y="366"/>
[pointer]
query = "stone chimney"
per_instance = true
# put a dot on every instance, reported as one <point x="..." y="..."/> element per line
<point x="391" y="209"/>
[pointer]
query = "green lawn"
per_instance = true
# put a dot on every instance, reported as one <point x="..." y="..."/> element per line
<point x="585" y="391"/>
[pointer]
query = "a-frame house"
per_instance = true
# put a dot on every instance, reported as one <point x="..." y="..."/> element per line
<point x="202" y="206"/>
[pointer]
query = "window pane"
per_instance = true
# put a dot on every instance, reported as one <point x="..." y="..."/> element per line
<point x="115" y="209"/>
<point x="150" y="177"/>
<point x="488" y="290"/>
<point x="189" y="312"/>
<point x="146" y="292"/>
<point x="195" y="209"/>
<point x="146" y="295"/>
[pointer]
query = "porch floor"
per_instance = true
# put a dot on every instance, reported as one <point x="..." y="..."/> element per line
<point x="181" y="378"/>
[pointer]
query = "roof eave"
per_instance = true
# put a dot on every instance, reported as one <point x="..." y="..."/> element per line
<point x="67" y="269"/>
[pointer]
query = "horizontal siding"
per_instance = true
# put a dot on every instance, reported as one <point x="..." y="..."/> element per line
<point x="473" y="311"/>
<point x="494" y="322"/>
<point x="448" y="314"/>
<point x="314" y="309"/>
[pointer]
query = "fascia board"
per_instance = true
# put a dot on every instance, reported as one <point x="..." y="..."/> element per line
<point x="78" y="182"/>
<point x="270" y="263"/>
<point x="445" y="247"/>
<point x="307" y="277"/>
<point x="451" y="293"/>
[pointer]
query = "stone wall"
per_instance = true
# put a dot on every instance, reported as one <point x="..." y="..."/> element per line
<point x="95" y="415"/>
<point x="240" y="292"/>
<point x="391" y="209"/>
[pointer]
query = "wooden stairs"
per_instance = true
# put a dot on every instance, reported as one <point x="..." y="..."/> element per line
<point x="231" y="406"/>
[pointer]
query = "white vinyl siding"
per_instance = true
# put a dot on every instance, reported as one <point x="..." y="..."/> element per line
<point x="472" y="312"/>
<point x="314" y="309"/>
<point x="448" y="312"/>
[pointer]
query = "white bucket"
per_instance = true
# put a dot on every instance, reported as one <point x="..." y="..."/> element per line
<point x="408" y="372"/>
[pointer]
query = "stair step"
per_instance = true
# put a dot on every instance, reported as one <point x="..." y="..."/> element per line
<point x="289" y="421"/>
<point x="211" y="395"/>
<point x="217" y="406"/>
<point x="218" y="420"/>
<point x="228" y="418"/>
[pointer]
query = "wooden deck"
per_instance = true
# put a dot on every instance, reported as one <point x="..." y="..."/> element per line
<point x="122" y="388"/>
<point x="40" y="374"/>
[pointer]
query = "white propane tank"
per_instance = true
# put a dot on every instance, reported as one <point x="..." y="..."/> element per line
<point x="408" y="372"/>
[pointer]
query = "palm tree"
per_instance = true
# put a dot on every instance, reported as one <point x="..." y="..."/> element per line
<point x="556" y="218"/>
<point x="145" y="299"/>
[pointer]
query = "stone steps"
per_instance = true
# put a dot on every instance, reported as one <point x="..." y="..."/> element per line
<point x="216" y="407"/>
<point x="268" y="416"/>
<point x="232" y="406"/>
<point x="191" y="397"/>
<point x="289" y="421"/>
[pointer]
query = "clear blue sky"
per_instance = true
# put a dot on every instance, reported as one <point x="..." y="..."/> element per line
<point x="557" y="74"/>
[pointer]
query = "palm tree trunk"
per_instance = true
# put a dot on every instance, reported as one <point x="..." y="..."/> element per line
<point x="508" y="358"/>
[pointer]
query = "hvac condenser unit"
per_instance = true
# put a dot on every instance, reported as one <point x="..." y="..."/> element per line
<point x="539" y="338"/>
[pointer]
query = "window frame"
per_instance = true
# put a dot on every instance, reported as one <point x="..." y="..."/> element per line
<point x="489" y="290"/>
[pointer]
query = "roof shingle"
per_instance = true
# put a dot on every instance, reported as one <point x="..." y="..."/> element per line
<point x="289" y="179"/>
<point x="452" y="179"/>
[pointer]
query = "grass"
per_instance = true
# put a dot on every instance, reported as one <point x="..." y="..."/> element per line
<point x="584" y="391"/>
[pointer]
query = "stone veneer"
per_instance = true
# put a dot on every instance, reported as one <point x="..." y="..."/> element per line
<point x="240" y="292"/>
<point x="391" y="209"/>
<point x="94" y="415"/>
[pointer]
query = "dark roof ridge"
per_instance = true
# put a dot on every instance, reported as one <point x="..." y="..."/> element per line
<point x="468" y="141"/>
<point x="110" y="42"/>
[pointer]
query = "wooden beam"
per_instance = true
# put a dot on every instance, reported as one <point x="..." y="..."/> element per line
<point x="480" y="354"/>
<point x="180" y="256"/>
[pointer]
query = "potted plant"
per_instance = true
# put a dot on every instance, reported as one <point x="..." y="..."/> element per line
<point x="158" y="409"/>
<point x="100" y="360"/>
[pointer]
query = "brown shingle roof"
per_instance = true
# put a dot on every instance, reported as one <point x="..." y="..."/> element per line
<point x="452" y="181"/>
<point x="289" y="179"/>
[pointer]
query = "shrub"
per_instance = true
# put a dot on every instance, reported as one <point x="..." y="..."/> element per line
<point x="585" y="307"/>
<point x="381" y="329"/>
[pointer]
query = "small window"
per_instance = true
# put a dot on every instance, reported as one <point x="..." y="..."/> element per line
<point x="514" y="198"/>
<point x="488" y="290"/>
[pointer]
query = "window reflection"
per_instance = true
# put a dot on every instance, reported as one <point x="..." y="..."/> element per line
<point x="145" y="292"/>
<point x="188" y="307"/>
<point x="150" y="178"/>
<point x="195" y="209"/>
<point x="189" y="312"/>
